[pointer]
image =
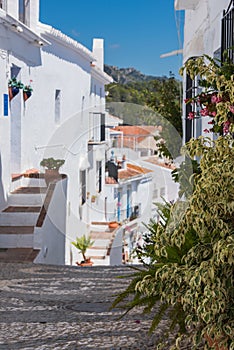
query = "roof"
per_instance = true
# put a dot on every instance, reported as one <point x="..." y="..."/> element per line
<point x="155" y="160"/>
<point x="132" y="171"/>
<point x="67" y="41"/>
<point x="143" y="130"/>
<point x="134" y="134"/>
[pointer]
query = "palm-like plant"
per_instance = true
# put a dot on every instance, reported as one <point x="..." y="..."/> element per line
<point x="82" y="244"/>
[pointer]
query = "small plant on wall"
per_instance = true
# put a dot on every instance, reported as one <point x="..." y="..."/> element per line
<point x="27" y="92"/>
<point x="14" y="87"/>
<point x="52" y="167"/>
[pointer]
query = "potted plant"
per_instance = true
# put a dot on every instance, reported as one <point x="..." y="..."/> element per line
<point x="14" y="87"/>
<point x="27" y="92"/>
<point x="82" y="244"/>
<point x="51" y="166"/>
<point x="113" y="224"/>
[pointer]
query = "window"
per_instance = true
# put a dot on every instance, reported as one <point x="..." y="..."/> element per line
<point x="227" y="42"/>
<point x="82" y="187"/>
<point x="24" y="11"/>
<point x="57" y="106"/>
<point x="3" y="4"/>
<point x="192" y="127"/>
<point x="98" y="176"/>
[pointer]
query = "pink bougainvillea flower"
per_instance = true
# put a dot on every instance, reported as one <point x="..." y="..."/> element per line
<point x="186" y="100"/>
<point x="215" y="99"/>
<point x="226" y="127"/>
<point x="206" y="130"/>
<point x="213" y="113"/>
<point x="204" y="112"/>
<point x="211" y="122"/>
<point x="231" y="109"/>
<point x="191" y="115"/>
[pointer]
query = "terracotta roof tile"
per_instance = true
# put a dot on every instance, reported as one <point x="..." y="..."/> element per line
<point x="154" y="160"/>
<point x="132" y="171"/>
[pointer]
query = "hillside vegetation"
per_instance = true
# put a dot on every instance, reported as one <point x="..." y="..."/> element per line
<point x="160" y="97"/>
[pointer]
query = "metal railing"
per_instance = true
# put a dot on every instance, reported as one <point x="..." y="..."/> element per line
<point x="227" y="40"/>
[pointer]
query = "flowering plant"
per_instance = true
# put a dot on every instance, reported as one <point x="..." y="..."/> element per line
<point x="217" y="98"/>
<point x="14" y="83"/>
<point x="27" y="88"/>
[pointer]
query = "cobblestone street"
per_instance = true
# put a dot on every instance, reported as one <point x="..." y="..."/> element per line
<point x="50" y="307"/>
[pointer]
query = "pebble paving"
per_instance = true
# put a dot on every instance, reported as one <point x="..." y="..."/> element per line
<point x="53" y="307"/>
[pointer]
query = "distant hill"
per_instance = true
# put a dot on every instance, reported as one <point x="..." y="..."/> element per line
<point x="128" y="75"/>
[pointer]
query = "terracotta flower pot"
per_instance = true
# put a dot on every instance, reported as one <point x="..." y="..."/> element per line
<point x="26" y="95"/>
<point x="51" y="175"/>
<point x="12" y="92"/>
<point x="113" y="224"/>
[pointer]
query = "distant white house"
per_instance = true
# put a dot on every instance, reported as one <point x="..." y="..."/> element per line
<point x="63" y="118"/>
<point x="208" y="29"/>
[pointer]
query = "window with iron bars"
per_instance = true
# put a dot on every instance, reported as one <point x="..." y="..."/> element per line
<point x="192" y="127"/>
<point x="227" y="40"/>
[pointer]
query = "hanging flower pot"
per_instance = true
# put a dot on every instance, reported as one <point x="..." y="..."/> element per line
<point x="27" y="92"/>
<point x="14" y="87"/>
<point x="12" y="92"/>
<point x="26" y="95"/>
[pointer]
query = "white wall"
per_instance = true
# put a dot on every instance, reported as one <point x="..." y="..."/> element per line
<point x="52" y="235"/>
<point x="202" y="30"/>
<point x="63" y="65"/>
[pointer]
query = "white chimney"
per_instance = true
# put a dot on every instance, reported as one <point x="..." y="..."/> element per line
<point x="98" y="51"/>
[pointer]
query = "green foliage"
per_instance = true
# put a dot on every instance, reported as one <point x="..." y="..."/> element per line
<point x="167" y="101"/>
<point x="15" y="83"/>
<point x="161" y="95"/>
<point x="51" y="163"/>
<point x="191" y="251"/>
<point x="27" y="88"/>
<point x="82" y="244"/>
<point x="185" y="175"/>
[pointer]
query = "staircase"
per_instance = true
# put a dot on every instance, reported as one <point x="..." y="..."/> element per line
<point x="103" y="238"/>
<point x="19" y="218"/>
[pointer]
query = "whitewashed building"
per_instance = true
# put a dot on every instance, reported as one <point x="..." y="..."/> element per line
<point x="64" y="118"/>
<point x="208" y="29"/>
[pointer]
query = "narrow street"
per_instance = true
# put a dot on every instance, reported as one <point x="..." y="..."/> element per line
<point x="50" y="307"/>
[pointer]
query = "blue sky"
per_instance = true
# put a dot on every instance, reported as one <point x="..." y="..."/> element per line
<point x="136" y="32"/>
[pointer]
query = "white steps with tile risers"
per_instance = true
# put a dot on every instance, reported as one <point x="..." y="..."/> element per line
<point x="103" y="238"/>
<point x="18" y="219"/>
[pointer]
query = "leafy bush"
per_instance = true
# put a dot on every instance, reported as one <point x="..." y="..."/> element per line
<point x="191" y="247"/>
<point x="191" y="250"/>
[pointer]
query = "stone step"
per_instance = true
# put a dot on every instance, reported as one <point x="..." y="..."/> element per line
<point x="26" y="199"/>
<point x="22" y="209"/>
<point x="101" y="235"/>
<point x="16" y="240"/>
<point x="101" y="243"/>
<point x="22" y="230"/>
<point x="96" y="252"/>
<point x="18" y="218"/>
<point x="22" y="255"/>
<point x="29" y="190"/>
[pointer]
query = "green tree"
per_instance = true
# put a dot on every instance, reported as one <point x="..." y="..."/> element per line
<point x="167" y="101"/>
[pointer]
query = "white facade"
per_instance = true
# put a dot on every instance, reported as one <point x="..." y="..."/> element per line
<point x="60" y="118"/>
<point x="202" y="35"/>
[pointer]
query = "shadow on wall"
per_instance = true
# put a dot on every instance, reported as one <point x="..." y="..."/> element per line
<point x="2" y="196"/>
